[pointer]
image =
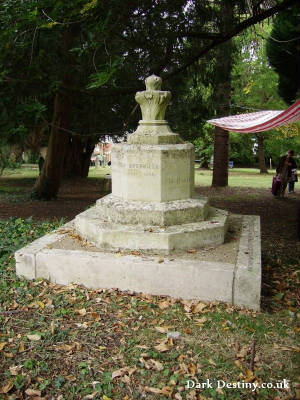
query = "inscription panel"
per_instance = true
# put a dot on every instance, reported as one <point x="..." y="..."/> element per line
<point x="148" y="173"/>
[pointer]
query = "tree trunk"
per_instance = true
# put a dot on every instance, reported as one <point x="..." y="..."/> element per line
<point x="261" y="154"/>
<point x="48" y="183"/>
<point x="77" y="159"/>
<point x="222" y="96"/>
<point x="220" y="169"/>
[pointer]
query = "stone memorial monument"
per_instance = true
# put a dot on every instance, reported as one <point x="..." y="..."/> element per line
<point x="151" y="207"/>
<point x="151" y="212"/>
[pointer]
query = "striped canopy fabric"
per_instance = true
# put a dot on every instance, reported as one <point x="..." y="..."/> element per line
<point x="259" y="121"/>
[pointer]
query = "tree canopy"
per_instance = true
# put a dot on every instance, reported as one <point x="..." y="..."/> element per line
<point x="283" y="49"/>
<point x="71" y="69"/>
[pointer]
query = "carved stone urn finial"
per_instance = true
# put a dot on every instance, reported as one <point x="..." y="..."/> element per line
<point x="153" y="101"/>
<point x="153" y="128"/>
<point x="153" y="82"/>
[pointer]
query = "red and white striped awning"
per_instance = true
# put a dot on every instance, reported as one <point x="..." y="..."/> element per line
<point x="259" y="121"/>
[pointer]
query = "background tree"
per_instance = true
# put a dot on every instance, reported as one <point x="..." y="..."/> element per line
<point x="283" y="47"/>
<point x="84" y="60"/>
<point x="255" y="84"/>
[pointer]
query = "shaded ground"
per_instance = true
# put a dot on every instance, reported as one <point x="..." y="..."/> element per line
<point x="279" y="225"/>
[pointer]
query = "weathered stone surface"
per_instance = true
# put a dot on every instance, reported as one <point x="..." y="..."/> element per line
<point x="25" y="260"/>
<point x="117" y="210"/>
<point x="107" y="235"/>
<point x="154" y="133"/>
<point x="153" y="173"/>
<point x="187" y="280"/>
<point x="181" y="278"/>
<point x="247" y="274"/>
<point x="153" y="128"/>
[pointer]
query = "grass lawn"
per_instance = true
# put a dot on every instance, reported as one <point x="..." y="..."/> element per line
<point x="245" y="177"/>
<point x="68" y="342"/>
<point x="241" y="177"/>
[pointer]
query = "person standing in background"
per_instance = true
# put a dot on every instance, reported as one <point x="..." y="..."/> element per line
<point x="284" y="171"/>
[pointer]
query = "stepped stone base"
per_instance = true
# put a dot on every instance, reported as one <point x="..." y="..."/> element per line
<point x="152" y="213"/>
<point x="237" y="282"/>
<point x="92" y="226"/>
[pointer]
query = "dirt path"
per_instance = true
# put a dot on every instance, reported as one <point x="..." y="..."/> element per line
<point x="279" y="226"/>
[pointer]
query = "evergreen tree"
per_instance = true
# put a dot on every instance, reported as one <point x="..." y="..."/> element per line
<point x="283" y="50"/>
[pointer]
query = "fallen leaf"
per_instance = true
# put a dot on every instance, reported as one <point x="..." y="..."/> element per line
<point x="212" y="362"/>
<point x="2" y="345"/>
<point x="65" y="347"/>
<point x="188" y="331"/>
<point x="198" y="307"/>
<point x="153" y="364"/>
<point x="84" y="325"/>
<point x="123" y="371"/>
<point x="238" y="364"/>
<point x="52" y="327"/>
<point x="162" y="329"/>
<point x="193" y="251"/>
<point x="200" y="321"/>
<point x="192" y="369"/>
<point x="41" y="304"/>
<point x="164" y="304"/>
<point x="287" y="348"/>
<point x="14" y="306"/>
<point x="21" y="347"/>
<point x="167" y="391"/>
<point x="7" y="386"/>
<point x="14" y="370"/>
<point x="125" y="379"/>
<point x="34" y="337"/>
<point x="81" y="312"/>
<point x="135" y="253"/>
<point x="162" y="347"/>
<point x="187" y="305"/>
<point x="152" y="390"/>
<point x="118" y="373"/>
<point x="71" y="378"/>
<point x="95" y="316"/>
<point x="33" y="392"/>
<point x="243" y="352"/>
<point x="90" y="396"/>
<point x="249" y="375"/>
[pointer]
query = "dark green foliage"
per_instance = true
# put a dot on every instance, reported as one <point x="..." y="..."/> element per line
<point x="283" y="50"/>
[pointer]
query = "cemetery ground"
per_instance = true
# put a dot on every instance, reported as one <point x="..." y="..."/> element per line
<point x="69" y="342"/>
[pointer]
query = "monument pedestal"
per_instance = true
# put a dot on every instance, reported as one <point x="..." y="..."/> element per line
<point x="152" y="207"/>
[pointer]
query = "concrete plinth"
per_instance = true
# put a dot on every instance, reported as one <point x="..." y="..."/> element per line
<point x="237" y="283"/>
